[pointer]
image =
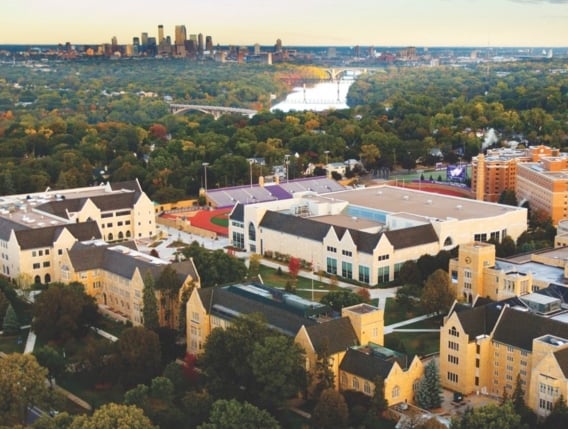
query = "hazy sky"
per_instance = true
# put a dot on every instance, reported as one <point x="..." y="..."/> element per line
<point x="297" y="22"/>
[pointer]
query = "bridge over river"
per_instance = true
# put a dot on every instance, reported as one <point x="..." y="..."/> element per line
<point x="216" y="111"/>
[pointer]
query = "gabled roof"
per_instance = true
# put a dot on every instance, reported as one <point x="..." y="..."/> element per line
<point x="365" y="365"/>
<point x="109" y="258"/>
<point x="294" y="225"/>
<point x="561" y="357"/>
<point x="45" y="237"/>
<point x="479" y="321"/>
<point x="238" y="213"/>
<point x="221" y="302"/>
<point x="130" y="185"/>
<point x="7" y="226"/>
<point x="338" y="333"/>
<point x="364" y="241"/>
<point x="107" y="202"/>
<point x="519" y="328"/>
<point x="413" y="236"/>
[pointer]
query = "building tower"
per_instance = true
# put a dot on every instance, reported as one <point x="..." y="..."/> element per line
<point x="200" y="44"/>
<point x="480" y="177"/>
<point x="181" y="35"/>
<point x="208" y="43"/>
<point x="160" y="34"/>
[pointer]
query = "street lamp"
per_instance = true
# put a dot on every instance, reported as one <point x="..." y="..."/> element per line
<point x="251" y="162"/>
<point x="205" y="164"/>
<point x="287" y="162"/>
<point x="326" y="162"/>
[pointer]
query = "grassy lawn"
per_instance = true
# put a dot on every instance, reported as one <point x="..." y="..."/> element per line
<point x="396" y="313"/>
<point x="433" y="323"/>
<point x="419" y="343"/>
<point x="220" y="221"/>
<point x="271" y="277"/>
<point x="95" y="397"/>
<point x="13" y="343"/>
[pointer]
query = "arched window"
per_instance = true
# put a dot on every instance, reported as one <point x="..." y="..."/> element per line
<point x="47" y="278"/>
<point x="110" y="237"/>
<point x="128" y="234"/>
<point x="367" y="388"/>
<point x="448" y="241"/>
<point x="395" y="391"/>
<point x="355" y="383"/>
<point x="120" y="235"/>
<point x="37" y="280"/>
<point x="252" y="232"/>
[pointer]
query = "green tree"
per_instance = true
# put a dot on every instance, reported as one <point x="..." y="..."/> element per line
<point x="438" y="295"/>
<point x="150" y="303"/>
<point x="254" y="264"/>
<point x="323" y="377"/>
<point x="50" y="358"/>
<point x="277" y="364"/>
<point x="138" y="356"/>
<point x="379" y="403"/>
<point x="11" y="324"/>
<point x="64" y="311"/>
<point x="330" y="411"/>
<point x="410" y="274"/>
<point x="518" y="399"/>
<point x="508" y="197"/>
<point x="429" y="392"/>
<point x="558" y="417"/>
<point x="341" y="298"/>
<point x="196" y="406"/>
<point x="22" y="384"/>
<point x="490" y="416"/>
<point x="232" y="414"/>
<point x="114" y="416"/>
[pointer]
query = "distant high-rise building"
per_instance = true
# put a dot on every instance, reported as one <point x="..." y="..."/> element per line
<point x="278" y="46"/>
<point x="200" y="46"/>
<point x="114" y="41"/>
<point x="209" y="43"/>
<point x="144" y="39"/>
<point x="256" y="49"/>
<point x="181" y="35"/>
<point x="160" y="33"/>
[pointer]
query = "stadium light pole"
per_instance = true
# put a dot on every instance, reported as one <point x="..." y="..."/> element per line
<point x="251" y="162"/>
<point x="205" y="164"/>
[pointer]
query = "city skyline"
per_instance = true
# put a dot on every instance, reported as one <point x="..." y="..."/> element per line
<point x="483" y="23"/>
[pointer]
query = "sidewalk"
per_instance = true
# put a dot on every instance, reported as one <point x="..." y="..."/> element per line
<point x="394" y="326"/>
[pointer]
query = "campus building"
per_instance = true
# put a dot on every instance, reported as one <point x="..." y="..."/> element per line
<point x="36" y="229"/>
<point x="115" y="274"/>
<point x="484" y="347"/>
<point x="367" y="234"/>
<point x="538" y="175"/>
<point x="351" y="341"/>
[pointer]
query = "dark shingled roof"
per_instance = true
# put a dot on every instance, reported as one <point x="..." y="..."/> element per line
<point x="61" y="208"/>
<point x="479" y="321"/>
<point x="294" y="225"/>
<point x="519" y="328"/>
<point x="7" y="226"/>
<point x="130" y="185"/>
<point x="561" y="357"/>
<point x="88" y="257"/>
<point x="366" y="242"/>
<point x="222" y="302"/>
<point x="45" y="237"/>
<point x="366" y="366"/>
<point x="107" y="202"/>
<point x="413" y="236"/>
<point x="338" y="333"/>
<point x="238" y="213"/>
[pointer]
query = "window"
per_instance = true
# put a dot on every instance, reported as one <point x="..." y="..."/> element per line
<point x="348" y="253"/>
<point x="454" y="332"/>
<point x="252" y="232"/>
<point x="343" y="379"/>
<point x="367" y="388"/>
<point x="355" y="383"/>
<point x="60" y="251"/>
<point x="238" y="240"/>
<point x="383" y="275"/>
<point x="395" y="391"/>
<point x="363" y="274"/>
<point x="347" y="270"/>
<point x="453" y="359"/>
<point x="453" y="345"/>
<point x="331" y="265"/>
<point x="452" y="377"/>
<point x="331" y="249"/>
<point x="46" y="264"/>
<point x="477" y="362"/>
<point x="36" y="266"/>
<point x="477" y="348"/>
<point x="383" y="257"/>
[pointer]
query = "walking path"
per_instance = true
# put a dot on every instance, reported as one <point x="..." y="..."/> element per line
<point x="394" y="326"/>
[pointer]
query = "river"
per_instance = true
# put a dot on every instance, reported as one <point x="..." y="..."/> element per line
<point x="320" y="97"/>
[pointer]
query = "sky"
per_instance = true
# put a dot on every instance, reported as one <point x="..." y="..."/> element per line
<point x="482" y="23"/>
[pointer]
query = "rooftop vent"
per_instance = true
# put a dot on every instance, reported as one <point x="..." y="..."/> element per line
<point x="429" y="202"/>
<point x="459" y="207"/>
<point x="406" y="197"/>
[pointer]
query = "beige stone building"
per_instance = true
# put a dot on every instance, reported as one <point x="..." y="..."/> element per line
<point x="367" y="234"/>
<point x="115" y="274"/>
<point x="37" y="229"/>
<point x="483" y="348"/>
<point x="352" y="342"/>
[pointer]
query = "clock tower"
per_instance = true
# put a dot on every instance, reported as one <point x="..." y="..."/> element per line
<point x="467" y="272"/>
